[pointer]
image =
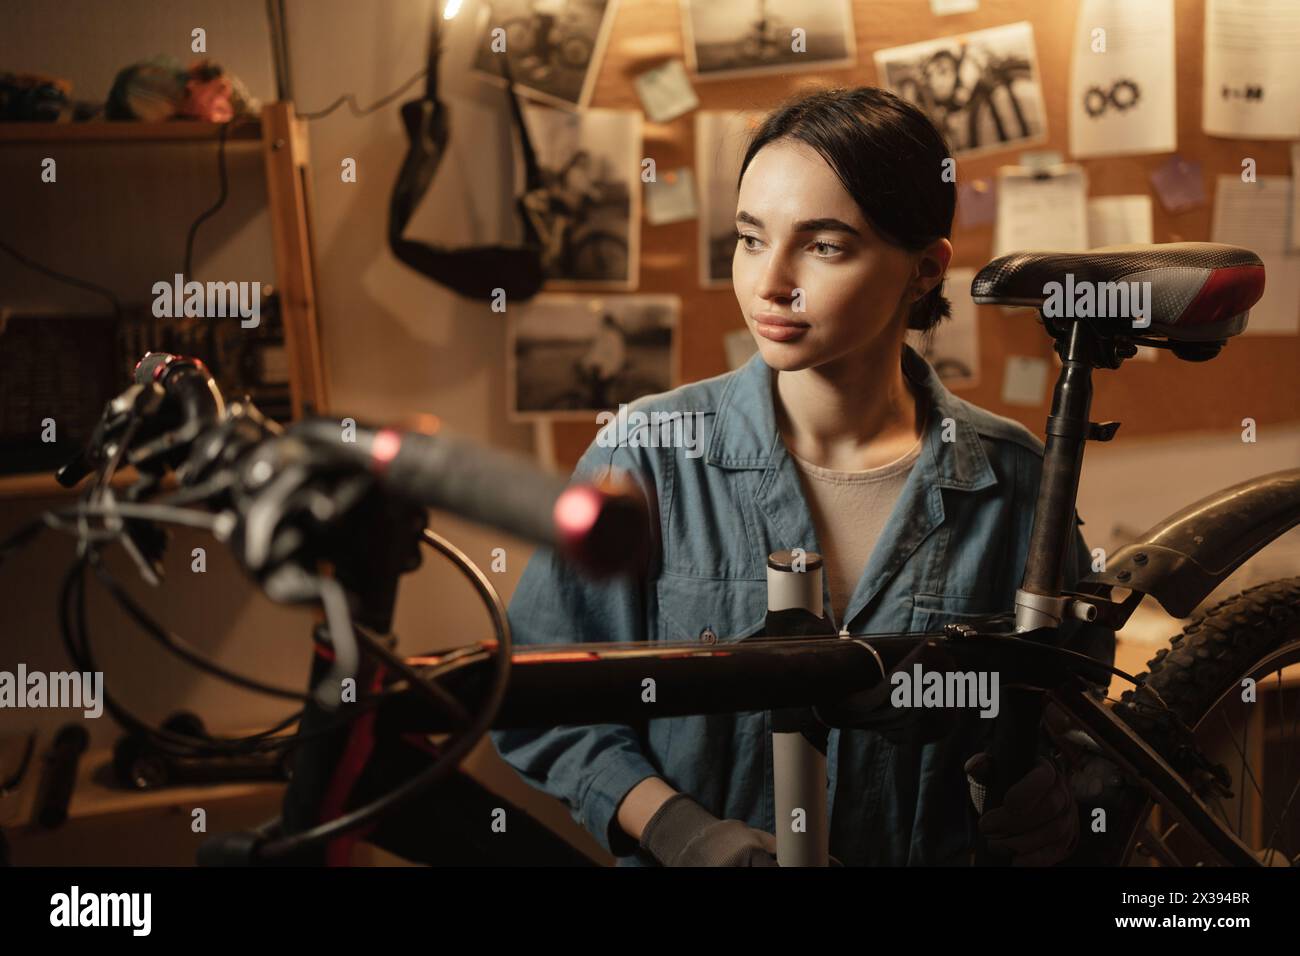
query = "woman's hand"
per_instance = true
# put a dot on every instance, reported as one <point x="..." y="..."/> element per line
<point x="1038" y="822"/>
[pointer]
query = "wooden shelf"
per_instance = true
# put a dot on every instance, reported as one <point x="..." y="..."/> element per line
<point x="96" y="794"/>
<point x="127" y="131"/>
<point x="42" y="484"/>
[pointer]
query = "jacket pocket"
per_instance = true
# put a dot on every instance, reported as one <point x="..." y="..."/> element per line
<point x="930" y="612"/>
<point x="691" y="607"/>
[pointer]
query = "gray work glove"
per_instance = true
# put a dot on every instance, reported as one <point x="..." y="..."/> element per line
<point x="1038" y="822"/>
<point x="683" y="833"/>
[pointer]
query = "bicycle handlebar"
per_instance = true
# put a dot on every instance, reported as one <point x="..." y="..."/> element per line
<point x="603" y="527"/>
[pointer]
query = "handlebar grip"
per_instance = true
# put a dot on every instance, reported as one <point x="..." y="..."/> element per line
<point x="604" y="528"/>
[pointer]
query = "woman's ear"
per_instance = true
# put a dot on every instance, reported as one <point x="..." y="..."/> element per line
<point x="931" y="265"/>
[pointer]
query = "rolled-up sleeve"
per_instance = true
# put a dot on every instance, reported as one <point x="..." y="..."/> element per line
<point x="589" y="767"/>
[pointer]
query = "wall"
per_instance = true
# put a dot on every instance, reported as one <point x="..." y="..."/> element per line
<point x="395" y="343"/>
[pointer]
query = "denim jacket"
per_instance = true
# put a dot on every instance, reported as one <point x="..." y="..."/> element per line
<point x="953" y="547"/>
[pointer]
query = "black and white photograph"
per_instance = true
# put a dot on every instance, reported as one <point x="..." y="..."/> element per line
<point x="953" y="346"/>
<point x="590" y="197"/>
<point x="572" y="356"/>
<point x="729" y="38"/>
<point x="980" y="89"/>
<point x="554" y="47"/>
<point x="720" y="140"/>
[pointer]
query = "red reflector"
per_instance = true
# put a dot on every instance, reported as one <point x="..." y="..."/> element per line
<point x="555" y="656"/>
<point x="1227" y="292"/>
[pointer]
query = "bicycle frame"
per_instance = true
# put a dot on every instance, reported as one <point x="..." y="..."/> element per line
<point x="598" y="683"/>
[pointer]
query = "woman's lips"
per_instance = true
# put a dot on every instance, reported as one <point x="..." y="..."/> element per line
<point x="779" y="328"/>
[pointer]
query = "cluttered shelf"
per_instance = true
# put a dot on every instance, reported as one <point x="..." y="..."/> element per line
<point x="128" y="131"/>
<point x="285" y="351"/>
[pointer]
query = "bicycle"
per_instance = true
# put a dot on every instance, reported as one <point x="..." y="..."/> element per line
<point x="939" y="86"/>
<point x="573" y="249"/>
<point x="317" y="520"/>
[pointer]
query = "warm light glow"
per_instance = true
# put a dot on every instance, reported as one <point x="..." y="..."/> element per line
<point x="385" y="447"/>
<point x="576" y="510"/>
<point x="451" y="9"/>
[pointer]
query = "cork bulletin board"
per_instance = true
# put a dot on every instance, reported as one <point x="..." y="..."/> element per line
<point x="1254" y="376"/>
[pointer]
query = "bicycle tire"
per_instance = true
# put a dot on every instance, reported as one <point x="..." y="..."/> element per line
<point x="1201" y="665"/>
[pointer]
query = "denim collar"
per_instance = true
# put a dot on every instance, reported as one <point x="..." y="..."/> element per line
<point x="745" y="433"/>
<point x="745" y="436"/>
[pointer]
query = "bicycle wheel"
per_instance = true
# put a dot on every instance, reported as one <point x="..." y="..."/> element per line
<point x="1248" y="776"/>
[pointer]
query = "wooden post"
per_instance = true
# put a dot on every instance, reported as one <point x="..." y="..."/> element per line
<point x="284" y="146"/>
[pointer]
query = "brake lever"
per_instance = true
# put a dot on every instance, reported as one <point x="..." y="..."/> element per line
<point x="135" y="402"/>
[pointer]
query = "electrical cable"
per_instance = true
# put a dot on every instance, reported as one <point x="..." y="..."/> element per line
<point x="351" y="100"/>
<point x="64" y="277"/>
<point x="211" y="211"/>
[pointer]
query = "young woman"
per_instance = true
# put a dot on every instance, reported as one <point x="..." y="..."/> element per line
<point x="836" y="438"/>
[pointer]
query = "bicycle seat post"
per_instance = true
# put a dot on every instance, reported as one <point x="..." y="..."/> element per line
<point x="1038" y="601"/>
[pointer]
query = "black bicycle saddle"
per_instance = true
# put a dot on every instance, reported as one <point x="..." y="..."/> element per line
<point x="1199" y="292"/>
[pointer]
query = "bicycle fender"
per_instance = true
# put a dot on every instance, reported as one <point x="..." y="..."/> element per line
<point x="1186" y="556"/>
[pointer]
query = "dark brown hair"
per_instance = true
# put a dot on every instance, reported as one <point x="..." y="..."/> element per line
<point x="890" y="158"/>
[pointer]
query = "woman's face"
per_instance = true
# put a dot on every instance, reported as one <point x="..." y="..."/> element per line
<point x="813" y="280"/>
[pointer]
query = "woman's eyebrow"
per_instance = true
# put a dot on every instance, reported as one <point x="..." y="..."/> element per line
<point x="825" y="224"/>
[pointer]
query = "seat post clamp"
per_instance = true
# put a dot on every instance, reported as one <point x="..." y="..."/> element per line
<point x="1063" y="427"/>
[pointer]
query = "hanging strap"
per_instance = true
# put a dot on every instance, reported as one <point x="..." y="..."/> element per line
<point x="475" y="272"/>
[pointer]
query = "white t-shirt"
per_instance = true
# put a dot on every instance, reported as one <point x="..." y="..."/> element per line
<point x="849" y="510"/>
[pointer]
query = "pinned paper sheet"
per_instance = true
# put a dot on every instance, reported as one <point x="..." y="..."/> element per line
<point x="671" y="198"/>
<point x="1252" y="86"/>
<point x="954" y="347"/>
<point x="1024" y="381"/>
<point x="666" y="92"/>
<point x="1179" y="185"/>
<point x="1122" y="79"/>
<point x="1257" y="216"/>
<point x="1041" y="212"/>
<point x="1119" y="220"/>
<point x="740" y="347"/>
<point x="977" y="203"/>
